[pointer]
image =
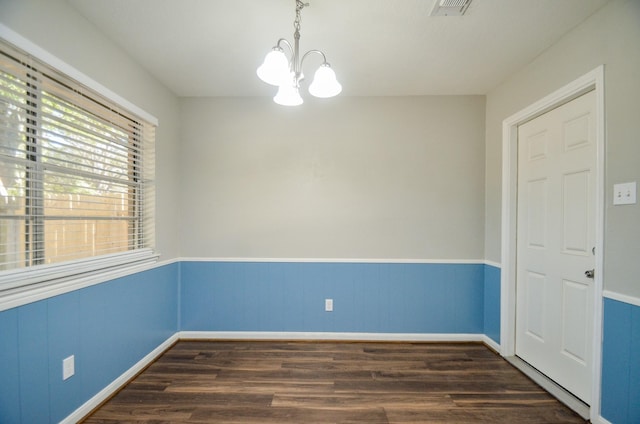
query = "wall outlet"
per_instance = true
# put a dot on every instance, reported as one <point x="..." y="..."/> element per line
<point x="68" y="367"/>
<point x="624" y="194"/>
<point x="328" y="305"/>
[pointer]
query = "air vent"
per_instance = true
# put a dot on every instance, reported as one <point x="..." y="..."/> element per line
<point x="450" y="7"/>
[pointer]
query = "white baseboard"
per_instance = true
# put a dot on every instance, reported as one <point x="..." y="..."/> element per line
<point x="491" y="343"/>
<point x="116" y="384"/>
<point x="119" y="382"/>
<point x="373" y="337"/>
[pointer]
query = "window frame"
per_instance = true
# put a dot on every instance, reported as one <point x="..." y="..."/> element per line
<point x="25" y="285"/>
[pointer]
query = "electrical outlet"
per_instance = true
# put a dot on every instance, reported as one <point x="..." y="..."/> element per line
<point x="328" y="305"/>
<point x="624" y="194"/>
<point x="68" y="367"/>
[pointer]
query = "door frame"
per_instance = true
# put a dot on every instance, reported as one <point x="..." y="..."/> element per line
<point x="593" y="80"/>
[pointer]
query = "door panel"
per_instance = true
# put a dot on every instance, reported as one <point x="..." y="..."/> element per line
<point x="556" y="233"/>
<point x="576" y="132"/>
<point x="574" y="304"/>
<point x="575" y="213"/>
<point x="536" y="214"/>
<point x="535" y="306"/>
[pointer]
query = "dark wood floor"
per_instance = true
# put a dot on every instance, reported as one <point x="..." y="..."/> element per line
<point x="311" y="382"/>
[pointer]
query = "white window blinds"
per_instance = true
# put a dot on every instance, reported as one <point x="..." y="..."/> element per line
<point x="76" y="172"/>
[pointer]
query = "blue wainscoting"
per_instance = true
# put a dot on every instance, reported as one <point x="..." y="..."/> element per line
<point x="108" y="327"/>
<point x="492" y="302"/>
<point x="368" y="297"/>
<point x="620" y="403"/>
<point x="111" y="326"/>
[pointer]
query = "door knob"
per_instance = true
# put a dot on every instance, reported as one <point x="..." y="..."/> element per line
<point x="590" y="273"/>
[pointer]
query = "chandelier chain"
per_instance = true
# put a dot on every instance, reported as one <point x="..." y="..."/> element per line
<point x="299" y="6"/>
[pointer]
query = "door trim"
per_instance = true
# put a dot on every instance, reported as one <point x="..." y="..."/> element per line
<point x="593" y="80"/>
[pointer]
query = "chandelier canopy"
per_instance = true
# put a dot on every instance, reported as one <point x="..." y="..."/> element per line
<point x="286" y="73"/>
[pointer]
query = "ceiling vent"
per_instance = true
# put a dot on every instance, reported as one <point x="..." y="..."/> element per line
<point x="450" y="7"/>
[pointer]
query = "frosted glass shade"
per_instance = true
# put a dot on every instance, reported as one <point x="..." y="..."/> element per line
<point x="275" y="68"/>
<point x="288" y="95"/>
<point x="325" y="83"/>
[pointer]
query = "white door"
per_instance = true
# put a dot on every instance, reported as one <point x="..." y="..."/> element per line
<point x="555" y="242"/>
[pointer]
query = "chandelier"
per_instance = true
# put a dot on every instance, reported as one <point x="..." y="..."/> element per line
<point x="287" y="74"/>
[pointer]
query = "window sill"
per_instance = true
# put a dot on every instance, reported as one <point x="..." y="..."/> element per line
<point x="19" y="287"/>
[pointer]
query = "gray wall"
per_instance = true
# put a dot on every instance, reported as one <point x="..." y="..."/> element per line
<point x="388" y="177"/>
<point x="610" y="37"/>
<point x="59" y="29"/>
<point x="371" y="178"/>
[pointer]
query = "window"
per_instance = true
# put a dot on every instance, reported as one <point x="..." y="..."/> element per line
<point x="76" y="177"/>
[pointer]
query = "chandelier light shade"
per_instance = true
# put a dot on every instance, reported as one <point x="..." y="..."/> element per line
<point x="325" y="83"/>
<point x="288" y="95"/>
<point x="286" y="73"/>
<point x="275" y="68"/>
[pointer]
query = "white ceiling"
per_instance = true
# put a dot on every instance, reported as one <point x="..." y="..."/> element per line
<point x="376" y="47"/>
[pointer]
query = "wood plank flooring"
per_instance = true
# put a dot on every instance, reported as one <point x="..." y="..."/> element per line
<point x="327" y="382"/>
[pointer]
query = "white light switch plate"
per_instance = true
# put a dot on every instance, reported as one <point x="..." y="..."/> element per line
<point x="624" y="194"/>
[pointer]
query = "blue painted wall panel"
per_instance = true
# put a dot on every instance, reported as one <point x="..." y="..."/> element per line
<point x="492" y="302"/>
<point x="111" y="326"/>
<point x="621" y="363"/>
<point x="123" y="321"/>
<point x="634" y="369"/>
<point x="107" y="327"/>
<point x="469" y="298"/>
<point x="9" y="368"/>
<point x="34" y="362"/>
<point x="63" y="320"/>
<point x="368" y="297"/>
